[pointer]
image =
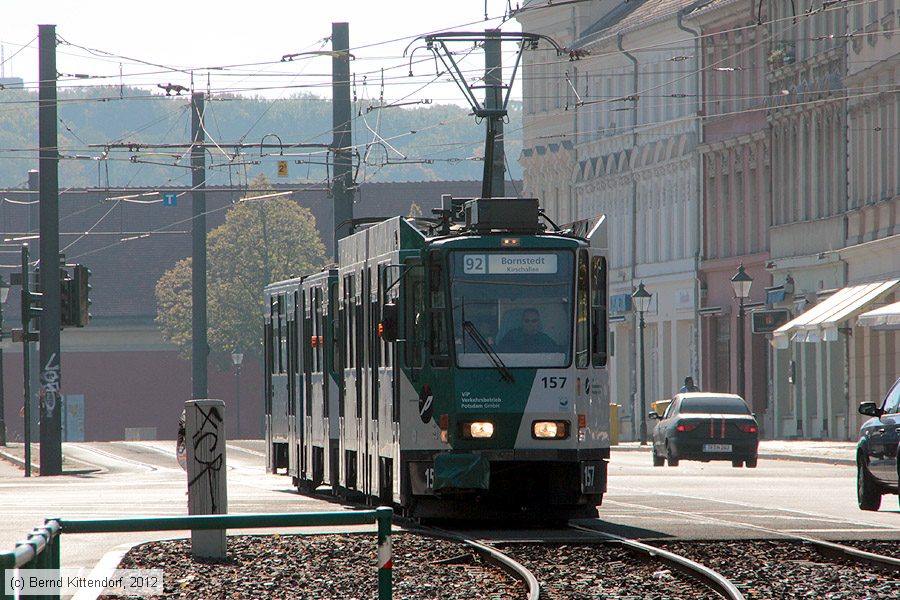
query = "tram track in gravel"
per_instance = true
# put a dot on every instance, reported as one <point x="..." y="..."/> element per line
<point x="609" y="566"/>
<point x="790" y="565"/>
<point x="573" y="566"/>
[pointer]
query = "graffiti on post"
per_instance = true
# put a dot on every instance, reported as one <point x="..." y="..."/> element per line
<point x="49" y="392"/>
<point x="208" y="453"/>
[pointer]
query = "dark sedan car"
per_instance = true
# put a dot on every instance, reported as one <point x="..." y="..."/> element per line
<point x="877" y="462"/>
<point x="706" y="426"/>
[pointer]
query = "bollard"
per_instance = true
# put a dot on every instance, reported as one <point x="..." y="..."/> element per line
<point x="207" y="490"/>
<point x="384" y="515"/>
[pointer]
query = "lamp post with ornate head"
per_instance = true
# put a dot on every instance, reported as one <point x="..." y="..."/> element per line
<point x="641" y="298"/>
<point x="741" y="283"/>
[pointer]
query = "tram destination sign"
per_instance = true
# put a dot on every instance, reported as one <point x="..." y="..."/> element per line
<point x="510" y="264"/>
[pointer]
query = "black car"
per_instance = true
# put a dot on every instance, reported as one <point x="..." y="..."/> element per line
<point x="706" y="426"/>
<point x="877" y="463"/>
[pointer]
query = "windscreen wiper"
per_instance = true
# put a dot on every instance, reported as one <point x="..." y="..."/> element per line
<point x="485" y="346"/>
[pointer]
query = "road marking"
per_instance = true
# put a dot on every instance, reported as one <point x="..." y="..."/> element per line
<point x="701" y="517"/>
<point x="746" y="505"/>
<point x="848" y="530"/>
<point x="247" y="450"/>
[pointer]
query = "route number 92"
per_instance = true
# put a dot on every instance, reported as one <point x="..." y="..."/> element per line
<point x="475" y="263"/>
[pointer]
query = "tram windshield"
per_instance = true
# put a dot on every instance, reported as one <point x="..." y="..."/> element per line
<point x="518" y="302"/>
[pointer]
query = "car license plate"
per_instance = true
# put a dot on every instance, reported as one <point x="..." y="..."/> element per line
<point x="717" y="447"/>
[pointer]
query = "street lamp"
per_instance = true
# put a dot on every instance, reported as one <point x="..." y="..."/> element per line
<point x="4" y="294"/>
<point x="741" y="283"/>
<point x="641" y="298"/>
<point x="237" y="357"/>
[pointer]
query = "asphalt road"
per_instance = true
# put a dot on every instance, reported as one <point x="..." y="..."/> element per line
<point x="691" y="501"/>
<point x="715" y="500"/>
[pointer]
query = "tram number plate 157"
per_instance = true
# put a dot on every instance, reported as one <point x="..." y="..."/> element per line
<point x="717" y="447"/>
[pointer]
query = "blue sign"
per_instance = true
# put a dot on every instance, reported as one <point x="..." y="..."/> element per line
<point x="170" y="199"/>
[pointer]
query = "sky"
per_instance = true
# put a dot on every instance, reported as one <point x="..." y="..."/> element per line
<point x="148" y="44"/>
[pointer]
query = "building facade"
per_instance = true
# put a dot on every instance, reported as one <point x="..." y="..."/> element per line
<point x="725" y="133"/>
<point x="736" y="196"/>
<point x="627" y="135"/>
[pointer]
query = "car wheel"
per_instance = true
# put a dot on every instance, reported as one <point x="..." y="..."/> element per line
<point x="868" y="493"/>
<point x="670" y="456"/>
<point x="737" y="463"/>
<point x="751" y="463"/>
<point x="658" y="460"/>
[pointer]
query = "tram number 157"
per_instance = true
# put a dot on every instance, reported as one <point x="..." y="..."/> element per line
<point x="554" y="383"/>
<point x="593" y="475"/>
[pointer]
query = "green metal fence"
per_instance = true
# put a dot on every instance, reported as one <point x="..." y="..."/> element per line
<point x="41" y="549"/>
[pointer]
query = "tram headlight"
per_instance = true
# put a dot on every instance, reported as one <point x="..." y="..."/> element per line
<point x="550" y="430"/>
<point x="480" y="430"/>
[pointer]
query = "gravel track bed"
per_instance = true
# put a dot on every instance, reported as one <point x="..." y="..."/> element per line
<point x="604" y="571"/>
<point x="769" y="569"/>
<point x="325" y="567"/>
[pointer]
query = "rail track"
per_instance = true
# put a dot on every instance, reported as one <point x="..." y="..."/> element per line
<point x="582" y="563"/>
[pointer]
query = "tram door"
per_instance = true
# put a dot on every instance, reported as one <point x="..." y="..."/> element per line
<point x="295" y="385"/>
<point x="370" y="429"/>
<point x="372" y="342"/>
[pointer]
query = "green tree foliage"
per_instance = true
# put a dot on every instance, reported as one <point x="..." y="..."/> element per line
<point x="260" y="242"/>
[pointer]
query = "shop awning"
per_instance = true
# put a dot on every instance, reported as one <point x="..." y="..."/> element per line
<point x="820" y="323"/>
<point x="886" y="316"/>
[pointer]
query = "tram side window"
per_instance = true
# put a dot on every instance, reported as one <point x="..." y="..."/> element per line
<point x="320" y="332"/>
<point x="383" y="283"/>
<point x="272" y="337"/>
<point x="582" y="317"/>
<point x="414" y="315"/>
<point x="439" y="347"/>
<point x="348" y="316"/>
<point x="282" y="335"/>
<point x="295" y="336"/>
<point x="334" y="349"/>
<point x="304" y="340"/>
<point x="314" y="329"/>
<point x="599" y="301"/>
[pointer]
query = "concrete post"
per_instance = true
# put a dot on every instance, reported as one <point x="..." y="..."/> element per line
<point x="207" y="490"/>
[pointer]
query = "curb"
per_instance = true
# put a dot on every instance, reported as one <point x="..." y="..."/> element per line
<point x="19" y="462"/>
<point x="104" y="568"/>
<point x="767" y="456"/>
<point x="36" y="470"/>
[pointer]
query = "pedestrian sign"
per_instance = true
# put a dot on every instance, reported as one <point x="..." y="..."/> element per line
<point x="282" y="168"/>
<point x="170" y="199"/>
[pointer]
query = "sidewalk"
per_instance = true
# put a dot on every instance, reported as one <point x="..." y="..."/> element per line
<point x="831" y="452"/>
<point x="14" y="452"/>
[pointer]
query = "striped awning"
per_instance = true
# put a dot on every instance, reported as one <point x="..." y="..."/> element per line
<point x="886" y="316"/>
<point x="820" y="323"/>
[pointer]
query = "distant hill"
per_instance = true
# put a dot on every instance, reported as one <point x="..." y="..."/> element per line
<point x="444" y="137"/>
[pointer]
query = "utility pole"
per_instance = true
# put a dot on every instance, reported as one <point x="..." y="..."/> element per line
<point x="34" y="185"/>
<point x="493" y="104"/>
<point x="199" y="347"/>
<point x="342" y="179"/>
<point x="51" y="376"/>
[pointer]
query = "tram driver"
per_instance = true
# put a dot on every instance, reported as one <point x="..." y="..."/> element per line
<point x="528" y="337"/>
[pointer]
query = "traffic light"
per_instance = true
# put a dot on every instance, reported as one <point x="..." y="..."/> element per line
<point x="82" y="293"/>
<point x="30" y="305"/>
<point x="67" y="312"/>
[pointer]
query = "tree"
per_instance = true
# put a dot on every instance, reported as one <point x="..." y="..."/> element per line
<point x="261" y="241"/>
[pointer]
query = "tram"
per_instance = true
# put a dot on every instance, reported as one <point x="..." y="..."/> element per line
<point x="454" y="368"/>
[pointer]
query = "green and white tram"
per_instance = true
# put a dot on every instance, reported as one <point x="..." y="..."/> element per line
<point x="457" y="369"/>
